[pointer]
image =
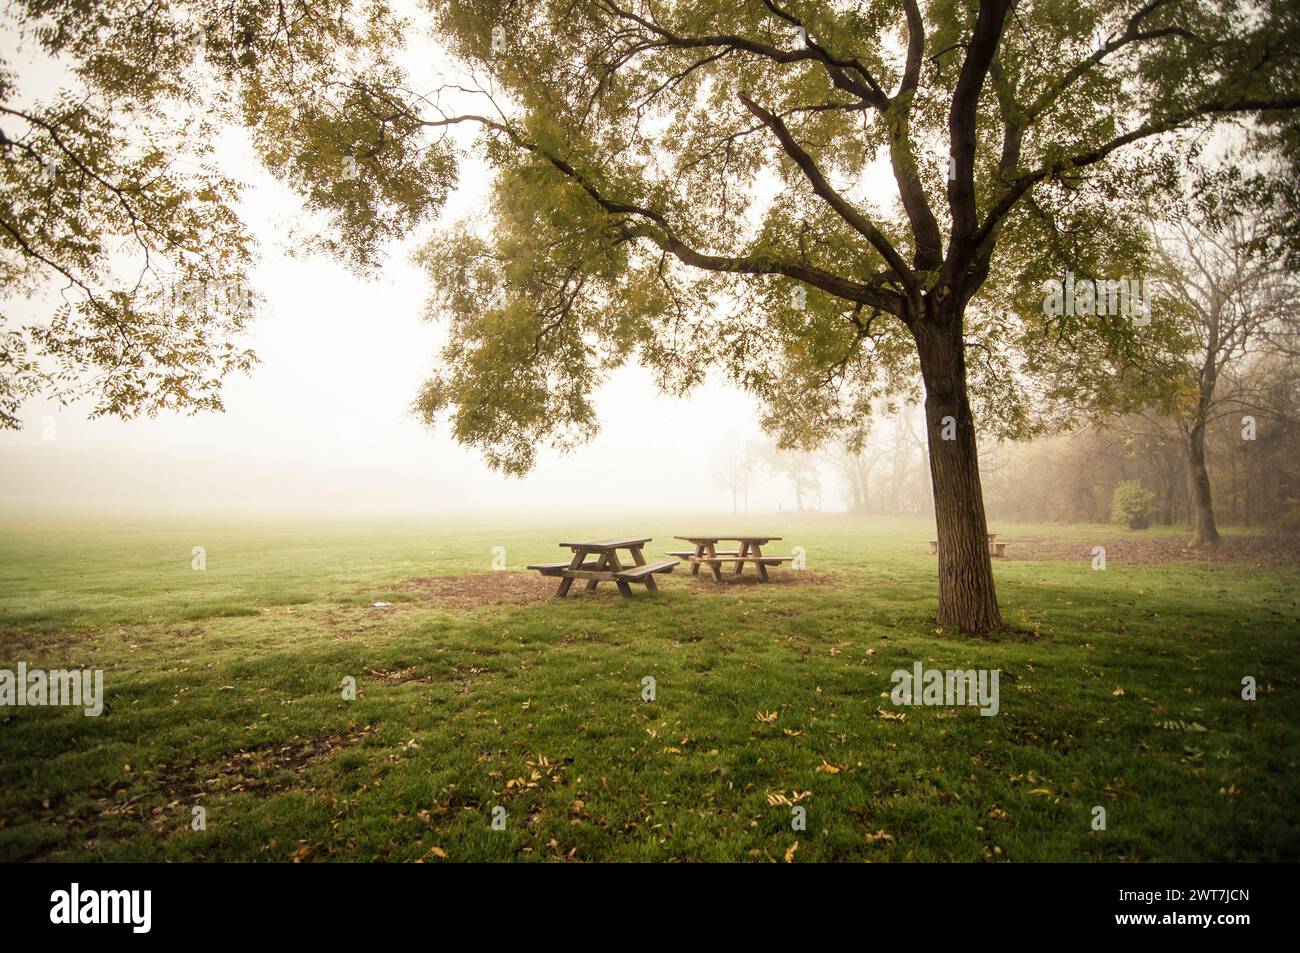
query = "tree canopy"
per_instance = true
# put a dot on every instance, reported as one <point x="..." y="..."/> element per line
<point x="674" y="168"/>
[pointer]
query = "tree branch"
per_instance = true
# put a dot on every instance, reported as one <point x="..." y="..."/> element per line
<point x="961" y="134"/>
<point x="1020" y="185"/>
<point x="665" y="237"/>
<point x="827" y="192"/>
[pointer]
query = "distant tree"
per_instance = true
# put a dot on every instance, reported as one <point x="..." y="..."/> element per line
<point x="855" y="467"/>
<point x="1235" y="302"/>
<point x="1070" y="476"/>
<point x="1264" y="473"/>
<point x="733" y="470"/>
<point x="797" y="467"/>
<point x="907" y="486"/>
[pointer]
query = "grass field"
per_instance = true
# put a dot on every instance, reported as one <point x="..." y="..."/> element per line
<point x="1119" y="689"/>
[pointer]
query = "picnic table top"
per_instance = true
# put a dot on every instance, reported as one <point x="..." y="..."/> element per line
<point x="609" y="543"/>
<point x="738" y="538"/>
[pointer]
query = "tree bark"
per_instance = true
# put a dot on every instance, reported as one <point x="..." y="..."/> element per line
<point x="1204" y="531"/>
<point x="967" y="597"/>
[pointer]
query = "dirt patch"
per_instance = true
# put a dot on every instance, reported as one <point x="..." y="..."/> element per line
<point x="398" y="676"/>
<point x="776" y="577"/>
<point x="465" y="674"/>
<point x="1258" y="550"/>
<point x="262" y="770"/>
<point x="522" y="588"/>
<point x="483" y="588"/>
<point x="346" y="623"/>
<point x="171" y="791"/>
<point x="272" y="768"/>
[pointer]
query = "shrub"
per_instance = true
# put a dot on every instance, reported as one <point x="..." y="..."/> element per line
<point x="1129" y="503"/>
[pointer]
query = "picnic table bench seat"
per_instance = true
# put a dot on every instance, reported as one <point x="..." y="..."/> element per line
<point x="559" y="569"/>
<point x="638" y="572"/>
<point x="733" y="558"/>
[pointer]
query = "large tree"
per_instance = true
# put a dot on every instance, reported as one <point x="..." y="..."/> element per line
<point x="688" y="184"/>
<point x="631" y="141"/>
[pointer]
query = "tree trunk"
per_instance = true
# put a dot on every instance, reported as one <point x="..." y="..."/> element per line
<point x="1171" y="487"/>
<point x="856" y="484"/>
<point x="967" y="598"/>
<point x="1204" y="532"/>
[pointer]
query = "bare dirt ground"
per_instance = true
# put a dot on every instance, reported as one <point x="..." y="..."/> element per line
<point x="482" y="588"/>
<point x="520" y="588"/>
<point x="1259" y="550"/>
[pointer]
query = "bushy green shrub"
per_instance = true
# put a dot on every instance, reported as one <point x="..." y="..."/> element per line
<point x="1129" y="504"/>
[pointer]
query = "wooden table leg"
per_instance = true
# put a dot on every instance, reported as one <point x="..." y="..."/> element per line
<point x="740" y="556"/>
<point x="615" y="566"/>
<point x="712" y="550"/>
<point x="639" y="559"/>
<point x="757" y="551"/>
<point x="567" y="581"/>
<point x="601" y="562"/>
<point x="699" y="551"/>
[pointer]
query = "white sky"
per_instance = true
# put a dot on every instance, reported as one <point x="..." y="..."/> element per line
<point x="323" y="421"/>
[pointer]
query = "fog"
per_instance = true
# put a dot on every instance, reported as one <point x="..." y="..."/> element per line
<point x="323" y="423"/>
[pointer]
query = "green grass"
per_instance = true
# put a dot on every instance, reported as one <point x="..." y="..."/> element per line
<point x="223" y="692"/>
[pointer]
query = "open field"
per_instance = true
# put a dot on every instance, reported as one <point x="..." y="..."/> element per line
<point x="1119" y="689"/>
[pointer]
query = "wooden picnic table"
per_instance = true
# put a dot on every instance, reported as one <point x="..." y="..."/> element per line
<point x="750" y="551"/>
<point x="597" y="561"/>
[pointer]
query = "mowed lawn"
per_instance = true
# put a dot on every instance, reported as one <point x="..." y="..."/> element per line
<point x="1119" y="688"/>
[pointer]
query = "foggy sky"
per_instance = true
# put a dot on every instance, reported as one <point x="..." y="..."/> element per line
<point x="324" y="421"/>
